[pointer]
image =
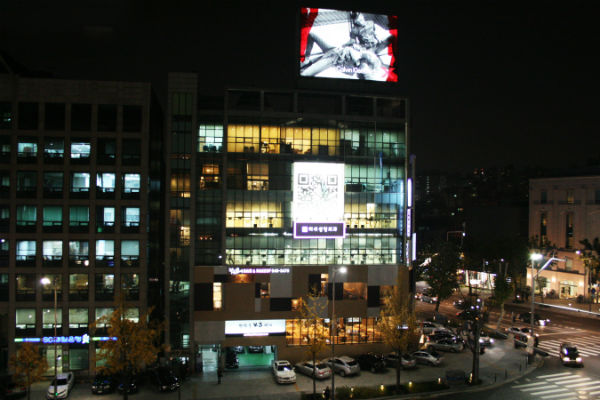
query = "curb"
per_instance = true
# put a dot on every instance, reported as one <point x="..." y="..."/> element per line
<point x="463" y="389"/>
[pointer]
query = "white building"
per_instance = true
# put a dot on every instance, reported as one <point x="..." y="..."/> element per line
<point x="563" y="212"/>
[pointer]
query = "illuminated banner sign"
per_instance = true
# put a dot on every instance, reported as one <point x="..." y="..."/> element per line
<point x="83" y="339"/>
<point x="259" y="270"/>
<point x="319" y="230"/>
<point x="348" y="45"/>
<point x="261" y="327"/>
<point x="318" y="200"/>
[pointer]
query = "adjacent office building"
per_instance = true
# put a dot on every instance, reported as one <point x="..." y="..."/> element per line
<point x="76" y="206"/>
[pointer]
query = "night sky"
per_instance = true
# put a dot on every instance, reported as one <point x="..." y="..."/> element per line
<point x="490" y="82"/>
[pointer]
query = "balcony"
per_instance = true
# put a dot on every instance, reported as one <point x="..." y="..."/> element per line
<point x="79" y="261"/>
<point x="104" y="294"/>
<point x="80" y="193"/>
<point x="78" y="294"/>
<point x="130" y="261"/>
<point x="26" y="260"/>
<point x="130" y="227"/>
<point x="26" y="226"/>
<point x="53" y="192"/>
<point x="27" y="192"/>
<point x="52" y="261"/>
<point x="105" y="261"/>
<point x="105" y="193"/>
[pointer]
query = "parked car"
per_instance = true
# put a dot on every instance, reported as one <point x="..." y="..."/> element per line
<point x="569" y="354"/>
<point x="441" y="334"/>
<point x="461" y="304"/>
<point x="61" y="386"/>
<point x="428" y="358"/>
<point x="454" y="344"/>
<point x="429" y="327"/>
<point x="238" y="349"/>
<point x="343" y="365"/>
<point x="255" y="349"/>
<point x="371" y="362"/>
<point x="539" y="320"/>
<point x="164" y="379"/>
<point x="103" y="383"/>
<point x="428" y="297"/>
<point x="321" y="371"/>
<point x="283" y="371"/>
<point x="132" y="384"/>
<point x="11" y="390"/>
<point x="408" y="361"/>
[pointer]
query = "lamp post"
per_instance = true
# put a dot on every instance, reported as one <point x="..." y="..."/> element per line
<point x="536" y="257"/>
<point x="46" y="281"/>
<point x="334" y="327"/>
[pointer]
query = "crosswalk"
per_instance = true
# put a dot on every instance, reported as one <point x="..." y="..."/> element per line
<point x="588" y="346"/>
<point x="561" y="386"/>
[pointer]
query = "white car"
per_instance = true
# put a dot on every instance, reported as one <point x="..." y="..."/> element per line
<point x="61" y="386"/>
<point x="429" y="327"/>
<point x="283" y="371"/>
<point x="321" y="372"/>
<point x="343" y="365"/>
<point x="485" y="340"/>
<point x="425" y="357"/>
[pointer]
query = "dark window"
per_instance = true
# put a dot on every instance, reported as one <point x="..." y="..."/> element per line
<point x="373" y="296"/>
<point x="107" y="117"/>
<point x="53" y="185"/>
<point x="281" y="304"/>
<point x="28" y="115"/>
<point x="359" y="106"/>
<point x="203" y="297"/>
<point x="54" y="150"/>
<point x="107" y="150"/>
<point x="339" y="290"/>
<point x="6" y="115"/>
<point x="314" y="283"/>
<point x="5" y="148"/>
<point x="81" y="117"/>
<point x="4" y="253"/>
<point x="55" y="117"/>
<point x="26" y="183"/>
<point x="544" y="197"/>
<point x="132" y="118"/>
<point x="131" y="153"/>
<point x="3" y="287"/>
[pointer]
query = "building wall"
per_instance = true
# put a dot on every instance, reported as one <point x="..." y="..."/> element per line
<point x="49" y="127"/>
<point x="571" y="208"/>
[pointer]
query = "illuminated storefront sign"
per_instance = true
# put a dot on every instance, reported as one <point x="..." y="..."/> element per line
<point x="83" y="339"/>
<point x="263" y="270"/>
<point x="260" y="327"/>
<point x="318" y="201"/>
<point x="318" y="230"/>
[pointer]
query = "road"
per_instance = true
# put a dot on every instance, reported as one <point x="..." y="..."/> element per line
<point x="552" y="381"/>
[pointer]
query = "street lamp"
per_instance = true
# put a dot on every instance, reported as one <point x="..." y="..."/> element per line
<point x="537" y="257"/>
<point x="46" y="281"/>
<point x="333" y="329"/>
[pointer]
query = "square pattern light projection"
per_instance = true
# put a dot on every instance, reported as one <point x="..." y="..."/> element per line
<point x="348" y="45"/>
<point x="318" y="202"/>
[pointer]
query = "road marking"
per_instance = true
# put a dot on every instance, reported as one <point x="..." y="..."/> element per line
<point x="558" y="381"/>
<point x="582" y="384"/>
<point x="553" y="395"/>
<point x="549" y="391"/>
<point x="594" y="393"/>
<point x="529" y="385"/>
<point x="553" y="375"/>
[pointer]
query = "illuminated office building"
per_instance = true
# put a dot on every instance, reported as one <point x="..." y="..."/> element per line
<point x="268" y="192"/>
<point x="76" y="207"/>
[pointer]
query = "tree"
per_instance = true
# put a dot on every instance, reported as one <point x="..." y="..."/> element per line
<point x="439" y="265"/>
<point x="132" y="347"/>
<point x="312" y="310"/>
<point x="590" y="255"/>
<point x="502" y="292"/>
<point x="29" y="365"/>
<point x="398" y="325"/>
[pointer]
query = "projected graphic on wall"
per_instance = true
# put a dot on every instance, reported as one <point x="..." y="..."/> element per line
<point x="348" y="45"/>
<point x="318" y="202"/>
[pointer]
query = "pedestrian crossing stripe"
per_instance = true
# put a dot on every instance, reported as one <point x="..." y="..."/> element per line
<point x="560" y="386"/>
<point x="587" y="346"/>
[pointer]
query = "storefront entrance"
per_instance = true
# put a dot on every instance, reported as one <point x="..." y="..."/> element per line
<point x="207" y="358"/>
<point x="50" y="360"/>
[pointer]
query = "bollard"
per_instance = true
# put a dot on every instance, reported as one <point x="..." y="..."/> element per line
<point x="505" y="374"/>
<point x="494" y="378"/>
<point x="520" y="367"/>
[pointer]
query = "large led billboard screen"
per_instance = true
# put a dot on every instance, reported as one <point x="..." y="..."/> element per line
<point x="348" y="45"/>
<point x="318" y="200"/>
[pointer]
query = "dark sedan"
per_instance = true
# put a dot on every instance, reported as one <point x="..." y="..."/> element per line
<point x="164" y="380"/>
<point x="103" y="384"/>
<point x="371" y="362"/>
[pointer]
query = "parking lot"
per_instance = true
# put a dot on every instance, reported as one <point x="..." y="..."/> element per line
<point x="499" y="361"/>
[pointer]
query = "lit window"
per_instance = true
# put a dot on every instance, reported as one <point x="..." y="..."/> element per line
<point x="217" y="296"/>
